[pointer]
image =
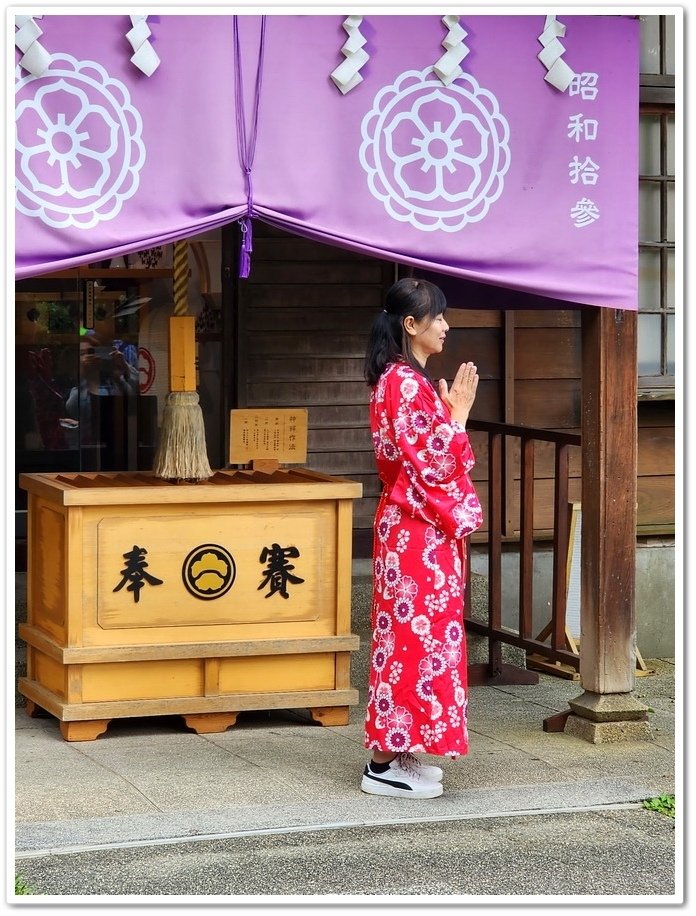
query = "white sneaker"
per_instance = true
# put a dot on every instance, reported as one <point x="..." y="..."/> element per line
<point x="401" y="781"/>
<point x="431" y="773"/>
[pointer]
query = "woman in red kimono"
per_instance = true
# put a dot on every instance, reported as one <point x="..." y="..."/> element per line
<point x="417" y="699"/>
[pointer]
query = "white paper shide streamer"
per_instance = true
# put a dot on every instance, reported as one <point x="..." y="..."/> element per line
<point x="447" y="67"/>
<point x="145" y="57"/>
<point x="35" y="57"/>
<point x="346" y="76"/>
<point x="558" y="73"/>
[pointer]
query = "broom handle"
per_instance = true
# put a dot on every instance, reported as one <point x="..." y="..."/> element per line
<point x="181" y="277"/>
<point x="182" y="327"/>
<point x="181" y="451"/>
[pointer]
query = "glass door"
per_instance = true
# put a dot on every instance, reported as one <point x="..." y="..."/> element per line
<point x="47" y="320"/>
<point x="103" y="407"/>
<point x="82" y="400"/>
<point x="92" y="363"/>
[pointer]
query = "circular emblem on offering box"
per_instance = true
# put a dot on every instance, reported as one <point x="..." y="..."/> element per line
<point x="208" y="571"/>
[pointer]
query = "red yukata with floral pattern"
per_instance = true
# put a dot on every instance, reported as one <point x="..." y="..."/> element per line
<point x="417" y="697"/>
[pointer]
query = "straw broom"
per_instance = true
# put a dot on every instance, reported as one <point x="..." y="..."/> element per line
<point x="181" y="450"/>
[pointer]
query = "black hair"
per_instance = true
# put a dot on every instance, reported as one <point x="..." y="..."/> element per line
<point x="388" y="341"/>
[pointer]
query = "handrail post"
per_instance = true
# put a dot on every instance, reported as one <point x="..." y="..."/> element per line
<point x="494" y="548"/>
<point x="526" y="536"/>
<point x="560" y="547"/>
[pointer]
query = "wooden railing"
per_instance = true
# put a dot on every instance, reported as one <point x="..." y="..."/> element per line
<point x="495" y="671"/>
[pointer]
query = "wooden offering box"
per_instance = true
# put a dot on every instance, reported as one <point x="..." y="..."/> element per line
<point x="153" y="598"/>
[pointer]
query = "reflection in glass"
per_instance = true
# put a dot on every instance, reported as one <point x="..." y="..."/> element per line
<point x="670" y="345"/>
<point x="649" y="212"/>
<point x="649" y="280"/>
<point x="649" y="44"/>
<point x="649" y="344"/>
<point x="670" y="146"/>
<point x="669" y="293"/>
<point x="669" y="45"/>
<point x="649" y="145"/>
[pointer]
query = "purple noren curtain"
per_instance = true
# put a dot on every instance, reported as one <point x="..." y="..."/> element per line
<point x="498" y="177"/>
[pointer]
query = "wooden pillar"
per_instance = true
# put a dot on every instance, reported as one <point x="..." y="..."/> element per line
<point x="607" y="711"/>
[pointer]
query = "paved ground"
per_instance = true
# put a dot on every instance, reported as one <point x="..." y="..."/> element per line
<point x="611" y="852"/>
<point x="271" y="809"/>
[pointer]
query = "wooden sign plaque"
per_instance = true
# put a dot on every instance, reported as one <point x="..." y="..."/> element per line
<point x="274" y="434"/>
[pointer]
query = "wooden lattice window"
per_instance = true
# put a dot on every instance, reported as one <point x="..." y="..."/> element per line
<point x="658" y="153"/>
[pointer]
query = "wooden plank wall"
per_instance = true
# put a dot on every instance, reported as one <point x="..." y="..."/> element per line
<point x="303" y="318"/>
<point x="304" y="315"/>
<point x="656" y="467"/>
<point x="477" y="335"/>
<point x="529" y="365"/>
<point x="547" y="370"/>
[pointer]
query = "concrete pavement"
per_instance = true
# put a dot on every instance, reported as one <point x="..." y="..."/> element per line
<point x="152" y="798"/>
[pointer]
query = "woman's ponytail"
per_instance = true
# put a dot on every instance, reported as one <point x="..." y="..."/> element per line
<point x="388" y="342"/>
<point x="383" y="347"/>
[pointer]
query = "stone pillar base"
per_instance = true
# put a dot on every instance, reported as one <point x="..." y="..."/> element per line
<point x="608" y="732"/>
<point x="607" y="718"/>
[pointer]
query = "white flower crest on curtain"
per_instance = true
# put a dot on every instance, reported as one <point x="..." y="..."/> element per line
<point x="75" y="169"/>
<point x="447" y="67"/>
<point x="436" y="156"/>
<point x="145" y="57"/>
<point x="346" y="76"/>
<point x="35" y="58"/>
<point x="559" y="74"/>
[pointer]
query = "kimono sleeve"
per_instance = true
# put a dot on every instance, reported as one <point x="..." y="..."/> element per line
<point x="436" y="459"/>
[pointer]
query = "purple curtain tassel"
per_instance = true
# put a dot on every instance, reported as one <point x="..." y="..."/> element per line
<point x="244" y="265"/>
<point x="246" y="248"/>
